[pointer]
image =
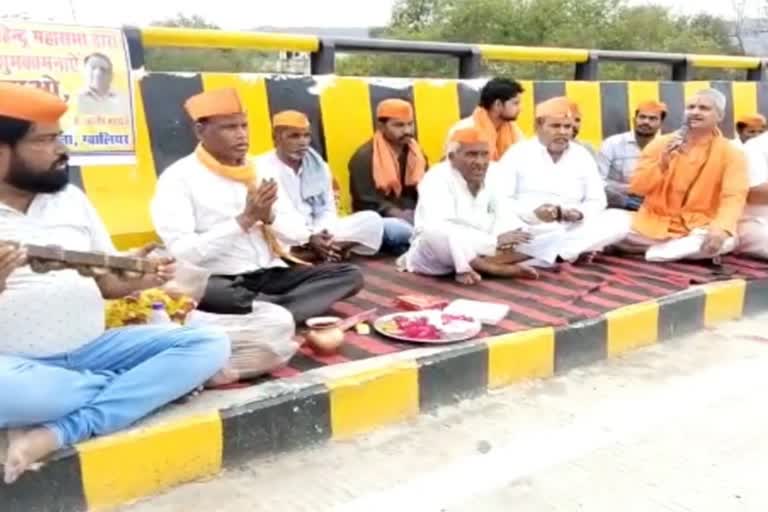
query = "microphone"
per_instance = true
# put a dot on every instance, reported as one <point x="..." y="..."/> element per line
<point x="682" y="134"/>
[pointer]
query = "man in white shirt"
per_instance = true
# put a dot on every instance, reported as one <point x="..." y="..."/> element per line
<point x="212" y="209"/>
<point x="306" y="181"/>
<point x="495" y="115"/>
<point x="753" y="226"/>
<point x="619" y="154"/>
<point x="459" y="228"/>
<point x="63" y="378"/>
<point x="554" y="187"/>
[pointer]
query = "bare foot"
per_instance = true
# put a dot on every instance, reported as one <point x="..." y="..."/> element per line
<point x="223" y="377"/>
<point x="527" y="272"/>
<point x="26" y="449"/>
<point x="469" y="278"/>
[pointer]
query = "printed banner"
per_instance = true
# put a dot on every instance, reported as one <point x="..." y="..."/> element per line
<point x="85" y="66"/>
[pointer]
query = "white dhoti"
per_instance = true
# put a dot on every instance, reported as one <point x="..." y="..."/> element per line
<point x="262" y="340"/>
<point x="441" y="251"/>
<point x="570" y="240"/>
<point x="753" y="237"/>
<point x="675" y="249"/>
<point x="366" y="229"/>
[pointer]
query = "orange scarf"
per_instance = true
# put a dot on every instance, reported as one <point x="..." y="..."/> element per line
<point x="500" y="139"/>
<point x="246" y="174"/>
<point x="386" y="166"/>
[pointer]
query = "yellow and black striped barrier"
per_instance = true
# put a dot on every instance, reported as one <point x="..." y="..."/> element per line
<point x="341" y="110"/>
<point x="116" y="469"/>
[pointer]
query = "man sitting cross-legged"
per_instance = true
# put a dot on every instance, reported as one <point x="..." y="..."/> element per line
<point x="384" y="173"/>
<point x="695" y="186"/>
<point x="63" y="378"/>
<point x="213" y="209"/>
<point x="553" y="186"/>
<point x="459" y="227"/>
<point x="305" y="180"/>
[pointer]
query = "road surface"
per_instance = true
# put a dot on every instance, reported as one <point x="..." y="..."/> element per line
<point x="678" y="427"/>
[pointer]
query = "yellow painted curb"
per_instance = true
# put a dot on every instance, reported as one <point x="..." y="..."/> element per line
<point x="632" y="327"/>
<point x="362" y="402"/>
<point x="125" y="467"/>
<point x="724" y="301"/>
<point x="521" y="355"/>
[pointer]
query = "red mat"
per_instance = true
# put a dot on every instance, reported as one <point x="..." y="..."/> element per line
<point x="559" y="297"/>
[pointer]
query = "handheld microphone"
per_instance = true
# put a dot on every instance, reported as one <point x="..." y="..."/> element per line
<point x="682" y="134"/>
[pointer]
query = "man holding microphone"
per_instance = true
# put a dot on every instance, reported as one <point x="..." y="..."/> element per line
<point x="694" y="182"/>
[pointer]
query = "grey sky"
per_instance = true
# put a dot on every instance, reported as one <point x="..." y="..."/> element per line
<point x="329" y="13"/>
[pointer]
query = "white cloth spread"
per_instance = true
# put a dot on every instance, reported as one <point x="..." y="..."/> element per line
<point x="55" y="312"/>
<point x="364" y="228"/>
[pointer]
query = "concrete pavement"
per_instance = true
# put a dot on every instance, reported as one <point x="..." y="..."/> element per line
<point x="678" y="426"/>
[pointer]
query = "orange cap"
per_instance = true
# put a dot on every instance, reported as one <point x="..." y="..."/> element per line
<point x="396" y="109"/>
<point x="30" y="103"/>
<point x="653" y="107"/>
<point x="469" y="135"/>
<point x="219" y="102"/>
<point x="756" y="121"/>
<point x="555" y="107"/>
<point x="290" y="119"/>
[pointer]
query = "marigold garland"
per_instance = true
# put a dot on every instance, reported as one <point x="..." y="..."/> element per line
<point x="136" y="308"/>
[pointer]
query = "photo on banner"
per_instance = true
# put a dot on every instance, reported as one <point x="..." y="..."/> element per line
<point x="87" y="67"/>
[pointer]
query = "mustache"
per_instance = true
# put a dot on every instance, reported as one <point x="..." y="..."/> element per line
<point x="62" y="160"/>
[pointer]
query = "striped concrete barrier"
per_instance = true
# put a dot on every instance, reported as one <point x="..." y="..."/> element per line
<point x="301" y="411"/>
<point x="341" y="110"/>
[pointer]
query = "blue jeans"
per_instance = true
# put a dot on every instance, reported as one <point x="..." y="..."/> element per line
<point x="109" y="383"/>
<point x="397" y="236"/>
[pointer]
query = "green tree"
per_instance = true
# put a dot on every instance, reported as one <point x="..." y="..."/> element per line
<point x="600" y="24"/>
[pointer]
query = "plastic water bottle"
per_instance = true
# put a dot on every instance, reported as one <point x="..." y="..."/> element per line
<point x="159" y="315"/>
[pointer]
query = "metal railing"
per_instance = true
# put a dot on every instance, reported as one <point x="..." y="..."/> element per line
<point x="323" y="52"/>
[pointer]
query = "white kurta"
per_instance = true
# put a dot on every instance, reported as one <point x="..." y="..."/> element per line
<point x="753" y="226"/>
<point x="453" y="227"/>
<point x="363" y="228"/>
<point x="529" y="178"/>
<point x="194" y="212"/>
<point x="55" y="312"/>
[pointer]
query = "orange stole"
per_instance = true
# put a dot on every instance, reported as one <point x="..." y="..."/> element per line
<point x="705" y="185"/>
<point x="500" y="139"/>
<point x="246" y="174"/>
<point x="386" y="168"/>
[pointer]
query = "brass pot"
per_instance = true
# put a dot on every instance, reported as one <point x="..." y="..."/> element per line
<point x="325" y="334"/>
